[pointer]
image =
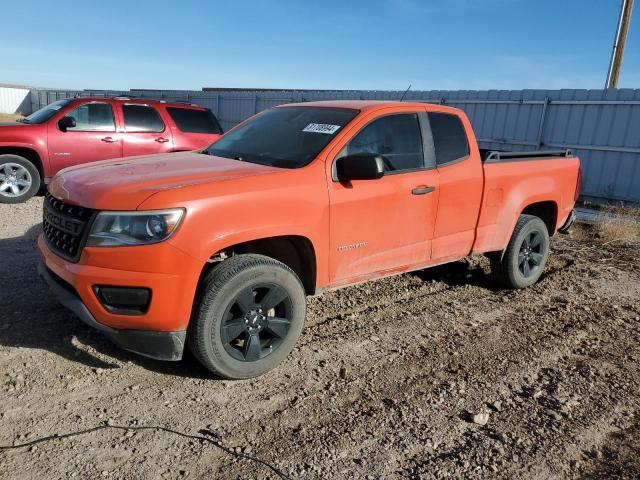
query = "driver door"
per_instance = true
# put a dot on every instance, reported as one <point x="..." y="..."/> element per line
<point x="93" y="138"/>
<point x="387" y="224"/>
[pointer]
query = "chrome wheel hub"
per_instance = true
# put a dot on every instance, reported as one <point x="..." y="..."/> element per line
<point x="15" y="180"/>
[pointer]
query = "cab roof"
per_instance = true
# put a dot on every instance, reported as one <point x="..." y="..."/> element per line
<point x="364" y="105"/>
<point x="353" y="104"/>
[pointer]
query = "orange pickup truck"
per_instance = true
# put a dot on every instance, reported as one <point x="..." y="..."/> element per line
<point x="217" y="249"/>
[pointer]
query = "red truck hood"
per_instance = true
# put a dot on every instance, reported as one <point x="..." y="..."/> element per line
<point x="124" y="184"/>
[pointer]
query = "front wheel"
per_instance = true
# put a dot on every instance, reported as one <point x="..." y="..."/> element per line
<point x="249" y="317"/>
<point x="525" y="256"/>
<point x="19" y="179"/>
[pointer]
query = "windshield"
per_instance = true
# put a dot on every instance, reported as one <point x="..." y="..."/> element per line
<point x="47" y="112"/>
<point x="288" y="137"/>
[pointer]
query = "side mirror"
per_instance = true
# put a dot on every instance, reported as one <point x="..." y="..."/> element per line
<point x="66" y="122"/>
<point x="361" y="166"/>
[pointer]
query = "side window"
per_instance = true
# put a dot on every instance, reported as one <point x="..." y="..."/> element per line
<point x="96" y="117"/>
<point x="396" y="137"/>
<point x="142" y="118"/>
<point x="194" y="121"/>
<point x="449" y="137"/>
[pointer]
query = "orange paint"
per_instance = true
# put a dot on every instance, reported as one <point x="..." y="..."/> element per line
<point x="362" y="230"/>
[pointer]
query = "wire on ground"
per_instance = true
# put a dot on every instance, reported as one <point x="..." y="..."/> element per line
<point x="203" y="431"/>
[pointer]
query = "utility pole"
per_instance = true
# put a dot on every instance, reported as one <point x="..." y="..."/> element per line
<point x="618" y="46"/>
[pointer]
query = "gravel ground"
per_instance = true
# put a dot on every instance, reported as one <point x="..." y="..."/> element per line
<point x="434" y="374"/>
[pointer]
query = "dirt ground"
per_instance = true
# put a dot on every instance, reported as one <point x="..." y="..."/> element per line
<point x="386" y="381"/>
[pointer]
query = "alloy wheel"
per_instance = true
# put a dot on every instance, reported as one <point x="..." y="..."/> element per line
<point x="15" y="180"/>
<point x="531" y="254"/>
<point x="256" y="322"/>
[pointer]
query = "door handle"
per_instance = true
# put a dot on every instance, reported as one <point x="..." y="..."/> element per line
<point x="109" y="139"/>
<point x="422" y="190"/>
<point x="162" y="140"/>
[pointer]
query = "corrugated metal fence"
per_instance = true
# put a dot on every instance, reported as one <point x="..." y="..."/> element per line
<point x="602" y="126"/>
<point x="14" y="99"/>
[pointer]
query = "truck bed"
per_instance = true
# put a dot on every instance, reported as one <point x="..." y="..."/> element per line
<point x="514" y="180"/>
<point x="521" y="156"/>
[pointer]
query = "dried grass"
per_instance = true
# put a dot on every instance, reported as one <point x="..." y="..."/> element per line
<point x="622" y="210"/>
<point x="8" y="117"/>
<point x="621" y="228"/>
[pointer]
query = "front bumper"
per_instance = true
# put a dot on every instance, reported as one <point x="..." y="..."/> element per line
<point x="171" y="276"/>
<point x="153" y="344"/>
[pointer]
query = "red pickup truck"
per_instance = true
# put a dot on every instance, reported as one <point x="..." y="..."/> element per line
<point x="82" y="130"/>
<point x="219" y="248"/>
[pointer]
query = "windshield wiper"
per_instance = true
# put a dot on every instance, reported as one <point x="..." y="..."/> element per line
<point x="230" y="155"/>
<point x="239" y="157"/>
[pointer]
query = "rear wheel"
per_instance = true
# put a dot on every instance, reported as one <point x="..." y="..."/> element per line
<point x="249" y="317"/>
<point x="526" y="255"/>
<point x="19" y="179"/>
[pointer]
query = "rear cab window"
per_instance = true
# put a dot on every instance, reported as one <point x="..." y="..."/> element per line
<point x="141" y="118"/>
<point x="190" y="120"/>
<point x="449" y="138"/>
<point x="397" y="138"/>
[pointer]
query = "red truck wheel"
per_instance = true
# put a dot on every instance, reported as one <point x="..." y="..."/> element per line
<point x="19" y="179"/>
<point x="250" y="313"/>
<point x="526" y="255"/>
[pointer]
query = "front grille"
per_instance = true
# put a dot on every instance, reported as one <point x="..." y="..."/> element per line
<point x="65" y="227"/>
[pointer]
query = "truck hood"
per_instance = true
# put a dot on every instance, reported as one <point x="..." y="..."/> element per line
<point x="123" y="184"/>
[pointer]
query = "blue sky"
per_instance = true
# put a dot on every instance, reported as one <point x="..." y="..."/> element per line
<point x="324" y="44"/>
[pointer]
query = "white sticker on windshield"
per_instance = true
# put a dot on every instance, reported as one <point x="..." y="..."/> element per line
<point x="321" y="128"/>
<point x="55" y="107"/>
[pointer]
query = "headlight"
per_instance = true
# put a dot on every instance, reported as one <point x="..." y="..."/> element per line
<point x="111" y="229"/>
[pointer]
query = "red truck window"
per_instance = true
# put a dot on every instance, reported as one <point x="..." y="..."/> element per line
<point x="396" y="137"/>
<point x="190" y="120"/>
<point x="449" y="138"/>
<point x="142" y="118"/>
<point x="96" y="117"/>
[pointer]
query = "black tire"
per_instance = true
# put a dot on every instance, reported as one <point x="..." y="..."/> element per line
<point x="522" y="262"/>
<point x="19" y="179"/>
<point x="233" y="298"/>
